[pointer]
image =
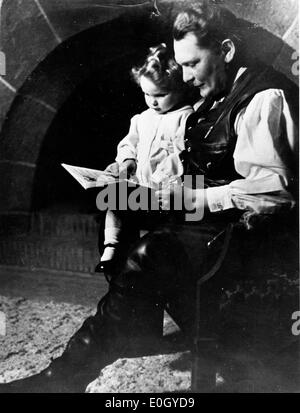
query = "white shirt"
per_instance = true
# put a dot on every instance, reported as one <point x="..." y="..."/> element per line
<point x="155" y="140"/>
<point x="265" y="120"/>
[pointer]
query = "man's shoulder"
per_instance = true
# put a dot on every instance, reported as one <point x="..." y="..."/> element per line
<point x="266" y="77"/>
<point x="260" y="80"/>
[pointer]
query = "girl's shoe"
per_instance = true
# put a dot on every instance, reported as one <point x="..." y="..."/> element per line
<point x="107" y="259"/>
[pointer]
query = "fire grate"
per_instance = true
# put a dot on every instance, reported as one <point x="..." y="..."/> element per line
<point x="65" y="242"/>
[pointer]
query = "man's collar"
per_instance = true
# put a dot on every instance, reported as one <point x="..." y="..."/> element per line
<point x="239" y="73"/>
<point x="198" y="104"/>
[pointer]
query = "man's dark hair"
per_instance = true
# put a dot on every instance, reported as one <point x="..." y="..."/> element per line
<point x="210" y="23"/>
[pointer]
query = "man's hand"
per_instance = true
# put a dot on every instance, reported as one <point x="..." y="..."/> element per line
<point x="174" y="195"/>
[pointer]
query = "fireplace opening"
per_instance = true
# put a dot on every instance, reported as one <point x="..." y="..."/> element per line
<point x="85" y="132"/>
<point x="64" y="225"/>
<point x="74" y="108"/>
<point x="61" y="229"/>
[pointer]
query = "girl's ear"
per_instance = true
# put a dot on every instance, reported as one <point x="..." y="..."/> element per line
<point x="228" y="50"/>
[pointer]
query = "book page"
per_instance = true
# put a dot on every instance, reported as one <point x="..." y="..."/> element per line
<point x="89" y="178"/>
<point x="92" y="178"/>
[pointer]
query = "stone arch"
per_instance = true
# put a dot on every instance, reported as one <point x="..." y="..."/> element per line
<point x="38" y="87"/>
<point x="41" y="96"/>
<point x="53" y="50"/>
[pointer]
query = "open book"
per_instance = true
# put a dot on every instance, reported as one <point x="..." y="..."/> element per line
<point x="92" y="178"/>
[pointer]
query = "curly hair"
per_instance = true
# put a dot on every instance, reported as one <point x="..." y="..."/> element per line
<point x="161" y="68"/>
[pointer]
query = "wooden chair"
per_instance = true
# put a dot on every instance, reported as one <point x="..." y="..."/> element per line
<point x="244" y="309"/>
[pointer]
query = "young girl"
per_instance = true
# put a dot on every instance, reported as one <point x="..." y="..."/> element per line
<point x="151" y="149"/>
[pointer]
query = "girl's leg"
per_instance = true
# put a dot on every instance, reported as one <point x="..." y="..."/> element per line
<point x="112" y="233"/>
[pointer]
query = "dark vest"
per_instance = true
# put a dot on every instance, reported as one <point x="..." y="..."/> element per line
<point x="210" y="138"/>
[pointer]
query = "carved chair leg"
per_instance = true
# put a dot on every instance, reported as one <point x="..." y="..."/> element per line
<point x="205" y="365"/>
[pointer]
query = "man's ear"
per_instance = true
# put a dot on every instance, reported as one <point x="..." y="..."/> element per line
<point x="228" y="49"/>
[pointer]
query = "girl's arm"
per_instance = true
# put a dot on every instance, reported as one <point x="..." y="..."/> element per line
<point x="127" y="147"/>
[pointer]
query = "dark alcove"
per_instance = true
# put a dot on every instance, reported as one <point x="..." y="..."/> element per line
<point x="85" y="132"/>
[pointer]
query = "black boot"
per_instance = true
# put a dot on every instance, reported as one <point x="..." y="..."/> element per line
<point x="119" y="329"/>
<point x="125" y="324"/>
<point x="86" y="353"/>
<point x="128" y="321"/>
<point x="77" y="366"/>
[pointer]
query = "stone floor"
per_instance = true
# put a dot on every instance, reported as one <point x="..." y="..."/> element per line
<point x="42" y="310"/>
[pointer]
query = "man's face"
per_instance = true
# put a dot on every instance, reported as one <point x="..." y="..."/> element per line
<point x="202" y="68"/>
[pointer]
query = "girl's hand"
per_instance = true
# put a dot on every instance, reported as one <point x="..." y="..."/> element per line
<point x="127" y="168"/>
<point x="113" y="169"/>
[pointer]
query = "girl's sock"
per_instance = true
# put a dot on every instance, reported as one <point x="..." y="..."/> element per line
<point x="111" y="240"/>
<point x="108" y="253"/>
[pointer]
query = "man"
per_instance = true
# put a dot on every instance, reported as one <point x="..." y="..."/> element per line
<point x="242" y="139"/>
<point x="253" y="106"/>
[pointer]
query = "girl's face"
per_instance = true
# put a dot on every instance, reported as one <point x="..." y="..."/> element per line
<point x="157" y="98"/>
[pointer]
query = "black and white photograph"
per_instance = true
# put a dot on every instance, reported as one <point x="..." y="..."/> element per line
<point x="149" y="199"/>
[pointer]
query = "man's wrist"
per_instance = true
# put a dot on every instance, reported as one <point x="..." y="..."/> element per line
<point x="219" y="198"/>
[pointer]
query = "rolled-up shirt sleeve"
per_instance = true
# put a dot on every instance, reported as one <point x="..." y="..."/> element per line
<point x="127" y="147"/>
<point x="264" y="128"/>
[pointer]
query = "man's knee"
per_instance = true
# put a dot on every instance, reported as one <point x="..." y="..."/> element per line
<point x="156" y="263"/>
<point x="156" y="247"/>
